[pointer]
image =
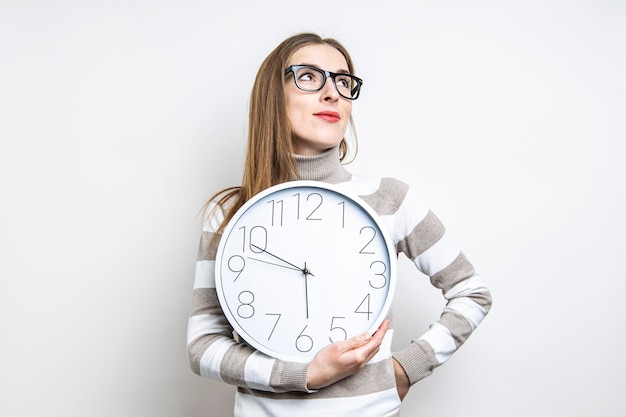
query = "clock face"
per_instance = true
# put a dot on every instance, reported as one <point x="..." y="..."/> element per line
<point x="302" y="265"/>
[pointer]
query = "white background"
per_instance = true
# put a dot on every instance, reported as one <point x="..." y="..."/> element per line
<point x="118" y="119"/>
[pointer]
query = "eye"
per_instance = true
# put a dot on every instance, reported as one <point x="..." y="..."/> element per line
<point x="343" y="81"/>
<point x="308" y="76"/>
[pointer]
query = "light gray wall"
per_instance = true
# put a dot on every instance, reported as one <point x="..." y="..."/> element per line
<point x="119" y="118"/>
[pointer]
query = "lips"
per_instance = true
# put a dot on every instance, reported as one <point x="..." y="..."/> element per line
<point x="329" y="116"/>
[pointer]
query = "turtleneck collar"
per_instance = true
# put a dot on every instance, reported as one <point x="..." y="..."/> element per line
<point x="324" y="167"/>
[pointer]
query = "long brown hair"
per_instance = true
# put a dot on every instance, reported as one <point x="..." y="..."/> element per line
<point x="269" y="156"/>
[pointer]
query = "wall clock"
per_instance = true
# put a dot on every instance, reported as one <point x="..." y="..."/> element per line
<point x="301" y="265"/>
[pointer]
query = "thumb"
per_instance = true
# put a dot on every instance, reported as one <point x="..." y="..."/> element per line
<point x="358" y="341"/>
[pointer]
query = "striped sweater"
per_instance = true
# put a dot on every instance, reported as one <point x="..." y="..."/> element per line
<point x="272" y="387"/>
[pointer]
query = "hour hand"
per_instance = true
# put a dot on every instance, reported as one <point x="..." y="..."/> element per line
<point x="305" y="270"/>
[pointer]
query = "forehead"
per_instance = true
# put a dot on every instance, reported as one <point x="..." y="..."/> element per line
<point x="322" y="56"/>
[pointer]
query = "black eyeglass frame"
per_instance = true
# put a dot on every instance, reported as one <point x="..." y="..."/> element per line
<point x="327" y="74"/>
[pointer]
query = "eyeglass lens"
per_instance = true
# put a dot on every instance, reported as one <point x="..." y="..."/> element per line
<point x="313" y="79"/>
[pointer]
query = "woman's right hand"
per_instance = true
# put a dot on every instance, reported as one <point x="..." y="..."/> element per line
<point x="342" y="359"/>
<point x="403" y="384"/>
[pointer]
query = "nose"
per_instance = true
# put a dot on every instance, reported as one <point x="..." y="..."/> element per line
<point x="329" y="91"/>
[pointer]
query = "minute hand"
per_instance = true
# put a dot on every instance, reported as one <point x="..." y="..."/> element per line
<point x="305" y="271"/>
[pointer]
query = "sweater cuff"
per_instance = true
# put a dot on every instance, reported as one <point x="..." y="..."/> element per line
<point x="291" y="376"/>
<point x="418" y="360"/>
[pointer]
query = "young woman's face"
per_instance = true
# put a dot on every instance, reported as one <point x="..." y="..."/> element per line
<point x="318" y="119"/>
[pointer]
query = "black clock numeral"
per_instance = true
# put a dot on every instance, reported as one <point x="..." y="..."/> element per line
<point x="246" y="309"/>
<point x="236" y="264"/>
<point x="243" y="240"/>
<point x="297" y="196"/>
<point x="343" y="213"/>
<point x="320" y="201"/>
<point x="367" y="230"/>
<point x="364" y="307"/>
<point x="314" y="198"/>
<point x="304" y="342"/>
<point x="277" y="212"/>
<point x="342" y="333"/>
<point x="381" y="280"/>
<point x="258" y="239"/>
<point x="275" y="324"/>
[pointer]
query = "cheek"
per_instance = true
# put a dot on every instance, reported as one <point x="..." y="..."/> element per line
<point x="294" y="110"/>
<point x="348" y="107"/>
<point x="348" y="113"/>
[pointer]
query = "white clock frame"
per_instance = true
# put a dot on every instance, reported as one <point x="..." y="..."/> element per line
<point x="269" y="263"/>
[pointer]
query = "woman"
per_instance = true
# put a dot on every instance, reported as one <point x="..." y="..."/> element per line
<point x="300" y="109"/>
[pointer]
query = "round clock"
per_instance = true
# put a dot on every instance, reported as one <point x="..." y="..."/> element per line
<point x="301" y="265"/>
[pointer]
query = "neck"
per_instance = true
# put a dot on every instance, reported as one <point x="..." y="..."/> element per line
<point x="324" y="167"/>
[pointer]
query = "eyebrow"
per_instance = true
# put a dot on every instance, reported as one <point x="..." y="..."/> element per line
<point x="339" y="71"/>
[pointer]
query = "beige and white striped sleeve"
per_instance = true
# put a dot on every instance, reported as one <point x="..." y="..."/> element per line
<point x="425" y="242"/>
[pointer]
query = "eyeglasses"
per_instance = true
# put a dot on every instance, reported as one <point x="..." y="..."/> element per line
<point x="311" y="79"/>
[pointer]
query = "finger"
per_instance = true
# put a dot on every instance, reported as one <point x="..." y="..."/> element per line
<point x="365" y="341"/>
<point x="373" y="345"/>
<point x="383" y="326"/>
<point x="382" y="330"/>
<point x="356" y="341"/>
